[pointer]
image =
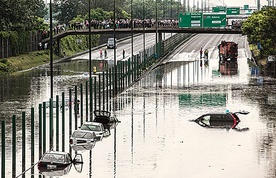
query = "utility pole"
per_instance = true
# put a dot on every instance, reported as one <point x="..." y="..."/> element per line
<point x="114" y="36"/>
<point x="89" y="40"/>
<point x="51" y="49"/>
<point x="258" y="5"/>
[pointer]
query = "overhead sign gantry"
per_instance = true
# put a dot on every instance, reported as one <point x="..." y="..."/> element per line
<point x="216" y="19"/>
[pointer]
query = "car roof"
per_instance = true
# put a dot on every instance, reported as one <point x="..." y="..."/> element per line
<point x="56" y="152"/>
<point x="93" y="123"/>
<point x="217" y="113"/>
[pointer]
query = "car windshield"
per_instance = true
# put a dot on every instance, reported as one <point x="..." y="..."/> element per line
<point x="80" y="134"/>
<point x="110" y="40"/>
<point x="91" y="127"/>
<point x="51" y="157"/>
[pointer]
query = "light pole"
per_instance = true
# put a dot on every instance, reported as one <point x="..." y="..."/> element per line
<point x="51" y="49"/>
<point x="156" y="26"/>
<point x="115" y="61"/>
<point x="144" y="35"/>
<point x="89" y="40"/>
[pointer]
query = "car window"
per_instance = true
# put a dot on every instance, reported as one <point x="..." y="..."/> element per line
<point x="68" y="158"/>
<point x="80" y="134"/>
<point x="91" y="127"/>
<point x="206" y="120"/>
<point x="111" y="40"/>
<point x="59" y="158"/>
<point x="47" y="157"/>
<point x="220" y="118"/>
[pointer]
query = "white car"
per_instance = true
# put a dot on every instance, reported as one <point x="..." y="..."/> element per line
<point x="95" y="127"/>
<point x="82" y="137"/>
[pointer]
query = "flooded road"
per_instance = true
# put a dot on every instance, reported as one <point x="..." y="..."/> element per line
<point x="157" y="139"/>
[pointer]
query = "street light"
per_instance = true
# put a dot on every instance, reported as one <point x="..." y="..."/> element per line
<point x="156" y="26"/>
<point x="89" y="40"/>
<point x="115" y="61"/>
<point x="51" y="49"/>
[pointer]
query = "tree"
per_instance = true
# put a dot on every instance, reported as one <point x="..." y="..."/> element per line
<point x="20" y="14"/>
<point x="260" y="28"/>
<point x="66" y="10"/>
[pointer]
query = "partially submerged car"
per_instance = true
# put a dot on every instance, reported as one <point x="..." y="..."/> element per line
<point x="82" y="140"/>
<point x="226" y="120"/>
<point x="104" y="117"/>
<point x="57" y="163"/>
<point x="94" y="127"/>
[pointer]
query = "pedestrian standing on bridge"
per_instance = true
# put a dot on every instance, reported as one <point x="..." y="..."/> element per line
<point x="123" y="53"/>
<point x="200" y="53"/>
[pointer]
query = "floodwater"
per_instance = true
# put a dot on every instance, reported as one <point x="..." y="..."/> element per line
<point x="156" y="138"/>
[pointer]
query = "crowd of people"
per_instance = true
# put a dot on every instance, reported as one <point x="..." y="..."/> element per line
<point x="106" y="24"/>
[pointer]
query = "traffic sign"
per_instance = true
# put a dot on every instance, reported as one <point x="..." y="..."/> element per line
<point x="190" y="19"/>
<point x="214" y="20"/>
<point x="233" y="11"/>
<point x="219" y="9"/>
<point x="246" y="7"/>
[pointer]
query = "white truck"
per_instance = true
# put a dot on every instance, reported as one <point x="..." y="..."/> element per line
<point x="111" y="43"/>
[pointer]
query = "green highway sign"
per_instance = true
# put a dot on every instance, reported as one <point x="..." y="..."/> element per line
<point x="233" y="11"/>
<point x="248" y="12"/>
<point x="190" y="19"/>
<point x="219" y="9"/>
<point x="214" y="20"/>
<point x="245" y="7"/>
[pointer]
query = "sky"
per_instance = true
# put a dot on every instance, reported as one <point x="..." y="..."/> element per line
<point x="240" y="3"/>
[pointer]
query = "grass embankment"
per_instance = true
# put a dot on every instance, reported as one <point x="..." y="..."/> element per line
<point x="24" y="61"/>
<point x="70" y="45"/>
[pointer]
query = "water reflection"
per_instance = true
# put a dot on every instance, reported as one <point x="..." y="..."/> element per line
<point x="228" y="67"/>
<point x="155" y="136"/>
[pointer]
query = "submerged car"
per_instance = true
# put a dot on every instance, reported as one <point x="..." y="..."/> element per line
<point x="104" y="117"/>
<point x="95" y="127"/>
<point x="57" y="163"/>
<point x="226" y="120"/>
<point x="82" y="140"/>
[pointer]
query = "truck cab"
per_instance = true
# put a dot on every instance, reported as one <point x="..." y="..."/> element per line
<point x="111" y="43"/>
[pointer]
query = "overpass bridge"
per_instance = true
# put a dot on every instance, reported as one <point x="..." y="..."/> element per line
<point x="158" y="30"/>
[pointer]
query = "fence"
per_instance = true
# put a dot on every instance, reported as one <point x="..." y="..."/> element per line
<point x="49" y="130"/>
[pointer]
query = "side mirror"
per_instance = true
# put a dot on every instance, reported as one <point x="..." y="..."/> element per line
<point x="78" y="159"/>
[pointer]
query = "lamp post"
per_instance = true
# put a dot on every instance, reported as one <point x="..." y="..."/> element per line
<point x="51" y="49"/>
<point x="115" y="61"/>
<point x="89" y="36"/>
<point x="156" y="26"/>
<point x="131" y="9"/>
<point x="144" y="35"/>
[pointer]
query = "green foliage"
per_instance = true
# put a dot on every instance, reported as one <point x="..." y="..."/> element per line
<point x="260" y="28"/>
<point x="73" y="44"/>
<point x="12" y="35"/>
<point x="66" y="10"/>
<point x="100" y="14"/>
<point x="17" y="15"/>
<point x="165" y="9"/>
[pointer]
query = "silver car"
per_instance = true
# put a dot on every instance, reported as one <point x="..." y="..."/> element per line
<point x="95" y="127"/>
<point x="82" y="140"/>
